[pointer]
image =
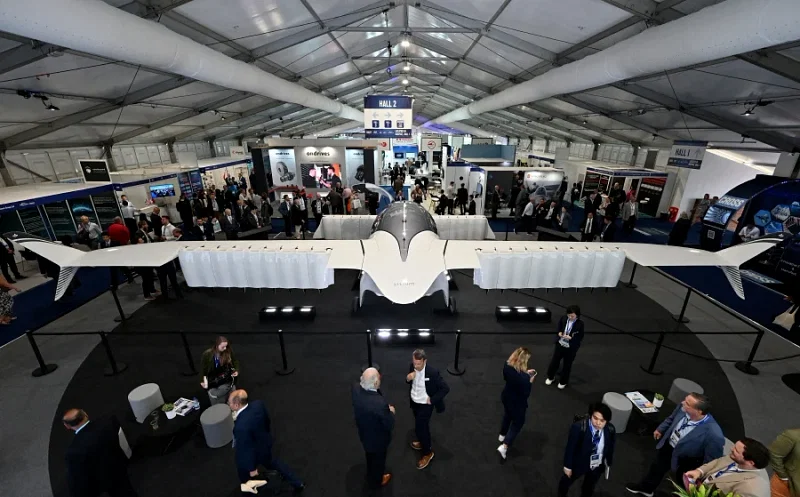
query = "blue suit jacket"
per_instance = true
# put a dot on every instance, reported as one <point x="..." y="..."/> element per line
<point x="579" y="447"/>
<point x="252" y="439"/>
<point x="704" y="441"/>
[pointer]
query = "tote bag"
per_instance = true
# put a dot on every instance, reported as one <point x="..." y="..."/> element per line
<point x="786" y="320"/>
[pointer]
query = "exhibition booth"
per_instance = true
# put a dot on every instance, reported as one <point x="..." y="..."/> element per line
<point x="162" y="185"/>
<point x="286" y="165"/>
<point x="648" y="185"/>
<point x="541" y="159"/>
<point x="53" y="210"/>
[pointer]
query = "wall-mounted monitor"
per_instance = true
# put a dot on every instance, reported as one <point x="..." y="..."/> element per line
<point x="161" y="191"/>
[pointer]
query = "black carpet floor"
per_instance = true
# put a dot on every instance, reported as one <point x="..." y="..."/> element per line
<point x="311" y="411"/>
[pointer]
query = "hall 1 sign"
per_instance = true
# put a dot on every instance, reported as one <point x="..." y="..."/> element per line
<point x="387" y="116"/>
<point x="687" y="154"/>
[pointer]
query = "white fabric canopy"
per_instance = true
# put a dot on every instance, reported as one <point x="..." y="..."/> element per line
<point x="449" y="228"/>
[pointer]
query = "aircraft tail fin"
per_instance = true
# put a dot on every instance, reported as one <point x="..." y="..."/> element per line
<point x="65" y="257"/>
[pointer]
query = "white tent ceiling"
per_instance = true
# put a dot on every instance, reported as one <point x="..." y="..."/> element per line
<point x="460" y="50"/>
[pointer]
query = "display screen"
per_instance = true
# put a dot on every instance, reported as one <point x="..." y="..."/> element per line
<point x="160" y="191"/>
<point x="60" y="219"/>
<point x="320" y="175"/>
<point x="185" y="183"/>
<point x="33" y="222"/>
<point x="82" y="207"/>
<point x="718" y="215"/>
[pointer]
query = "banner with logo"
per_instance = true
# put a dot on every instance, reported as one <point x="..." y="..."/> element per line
<point x="283" y="167"/>
<point x="95" y="170"/>
<point x="431" y="145"/>
<point x="354" y="166"/>
<point x="237" y="151"/>
<point x="688" y="154"/>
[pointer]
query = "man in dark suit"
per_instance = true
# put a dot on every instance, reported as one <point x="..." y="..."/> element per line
<point x="337" y="203"/>
<point x="212" y="206"/>
<point x="609" y="230"/>
<point x="286" y="212"/>
<point x="252" y="440"/>
<point x="461" y="196"/>
<point x="229" y="225"/>
<point x="196" y="233"/>
<point x="7" y="259"/>
<point x="688" y="438"/>
<point x="591" y="203"/>
<point x="239" y="211"/>
<point x="589" y="228"/>
<point x="570" y="336"/>
<point x="495" y="201"/>
<point x="427" y="391"/>
<point x="472" y="210"/>
<point x="96" y="464"/>
<point x="590" y="449"/>
<point x="155" y="223"/>
<point x="375" y="422"/>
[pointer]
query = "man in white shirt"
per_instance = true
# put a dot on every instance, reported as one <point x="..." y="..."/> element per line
<point x="427" y="391"/>
<point x="167" y="229"/>
<point x="741" y="473"/>
<point x="128" y="214"/>
<point x="749" y="232"/>
<point x="589" y="228"/>
<point x="630" y="211"/>
<point x="90" y="230"/>
<point x="526" y="221"/>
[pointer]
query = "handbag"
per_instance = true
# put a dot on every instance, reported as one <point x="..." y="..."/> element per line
<point x="786" y="319"/>
<point x="356" y="203"/>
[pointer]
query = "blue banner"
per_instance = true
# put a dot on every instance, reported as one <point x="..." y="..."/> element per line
<point x="48" y="199"/>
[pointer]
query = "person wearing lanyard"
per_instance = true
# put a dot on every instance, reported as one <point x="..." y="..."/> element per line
<point x="741" y="473"/>
<point x="689" y="437"/>
<point x="570" y="335"/>
<point x="590" y="450"/>
<point x="219" y="368"/>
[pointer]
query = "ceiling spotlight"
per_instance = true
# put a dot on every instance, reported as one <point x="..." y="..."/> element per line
<point x="52" y="108"/>
<point x="641" y="112"/>
<point x="584" y="122"/>
<point x="407" y="67"/>
<point x="223" y="118"/>
<point x="748" y="112"/>
<point x="405" y="81"/>
<point x="405" y="43"/>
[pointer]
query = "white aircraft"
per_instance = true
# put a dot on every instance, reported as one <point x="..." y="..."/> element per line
<point x="404" y="259"/>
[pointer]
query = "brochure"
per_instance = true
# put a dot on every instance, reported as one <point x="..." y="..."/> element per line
<point x="641" y="402"/>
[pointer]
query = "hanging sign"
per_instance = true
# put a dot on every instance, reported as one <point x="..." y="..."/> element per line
<point x="432" y="144"/>
<point x="95" y="170"/>
<point x="687" y="154"/>
<point x="387" y="116"/>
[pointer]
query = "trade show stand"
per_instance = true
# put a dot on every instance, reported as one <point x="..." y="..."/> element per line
<point x="315" y="165"/>
<point x="648" y="185"/>
<point x="53" y="210"/>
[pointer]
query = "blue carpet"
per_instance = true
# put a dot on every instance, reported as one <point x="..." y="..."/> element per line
<point x="36" y="308"/>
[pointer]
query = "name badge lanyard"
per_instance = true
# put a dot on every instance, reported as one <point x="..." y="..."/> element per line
<point x="567" y="333"/>
<point x="731" y="467"/>
<point x="677" y="435"/>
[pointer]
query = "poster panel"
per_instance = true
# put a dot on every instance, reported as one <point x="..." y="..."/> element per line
<point x="354" y="166"/>
<point x="106" y="208"/>
<point x="283" y="166"/>
<point x="543" y="184"/>
<point x="60" y="218"/>
<point x="82" y="207"/>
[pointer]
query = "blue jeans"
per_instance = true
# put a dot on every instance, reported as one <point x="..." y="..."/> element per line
<point x="511" y="425"/>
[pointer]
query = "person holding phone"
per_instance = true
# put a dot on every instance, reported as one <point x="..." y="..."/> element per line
<point x="570" y="336"/>
<point x="515" y="395"/>
<point x="220" y="369"/>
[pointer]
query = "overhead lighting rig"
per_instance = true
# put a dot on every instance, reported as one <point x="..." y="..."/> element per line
<point x="26" y="94"/>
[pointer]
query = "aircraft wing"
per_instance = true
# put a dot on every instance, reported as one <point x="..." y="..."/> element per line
<point x="232" y="264"/>
<point x="501" y="265"/>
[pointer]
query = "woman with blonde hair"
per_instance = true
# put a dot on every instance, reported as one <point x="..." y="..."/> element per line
<point x="515" y="397"/>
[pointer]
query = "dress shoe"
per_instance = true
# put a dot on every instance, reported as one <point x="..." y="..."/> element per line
<point x="503" y="450"/>
<point x="548" y="382"/>
<point x="501" y="438"/>
<point x="426" y="459"/>
<point x="562" y="386"/>
<point x="416" y="445"/>
<point x="385" y="479"/>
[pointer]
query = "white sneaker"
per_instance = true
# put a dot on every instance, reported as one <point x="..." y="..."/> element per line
<point x="502" y="450"/>
<point x="561" y="386"/>
<point x="548" y="381"/>
<point x="501" y="438"/>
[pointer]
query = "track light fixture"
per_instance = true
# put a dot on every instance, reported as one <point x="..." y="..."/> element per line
<point x="405" y="43"/>
<point x="405" y="81"/>
<point x="51" y="107"/>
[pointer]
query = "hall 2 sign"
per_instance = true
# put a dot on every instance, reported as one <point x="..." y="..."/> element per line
<point x="687" y="154"/>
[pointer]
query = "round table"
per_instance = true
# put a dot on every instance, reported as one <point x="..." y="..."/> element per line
<point x="161" y="433"/>
<point x="646" y="423"/>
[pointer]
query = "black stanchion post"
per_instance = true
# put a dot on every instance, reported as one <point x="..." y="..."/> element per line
<point x="651" y="368"/>
<point x="121" y="318"/>
<point x="747" y="366"/>
<point x="285" y="370"/>
<point x="369" y="363"/>
<point x="630" y="283"/>
<point x="680" y="317"/>
<point x="43" y="369"/>
<point x="116" y="367"/>
<point x="192" y="371"/>
<point x="506" y="229"/>
<point x="455" y="369"/>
